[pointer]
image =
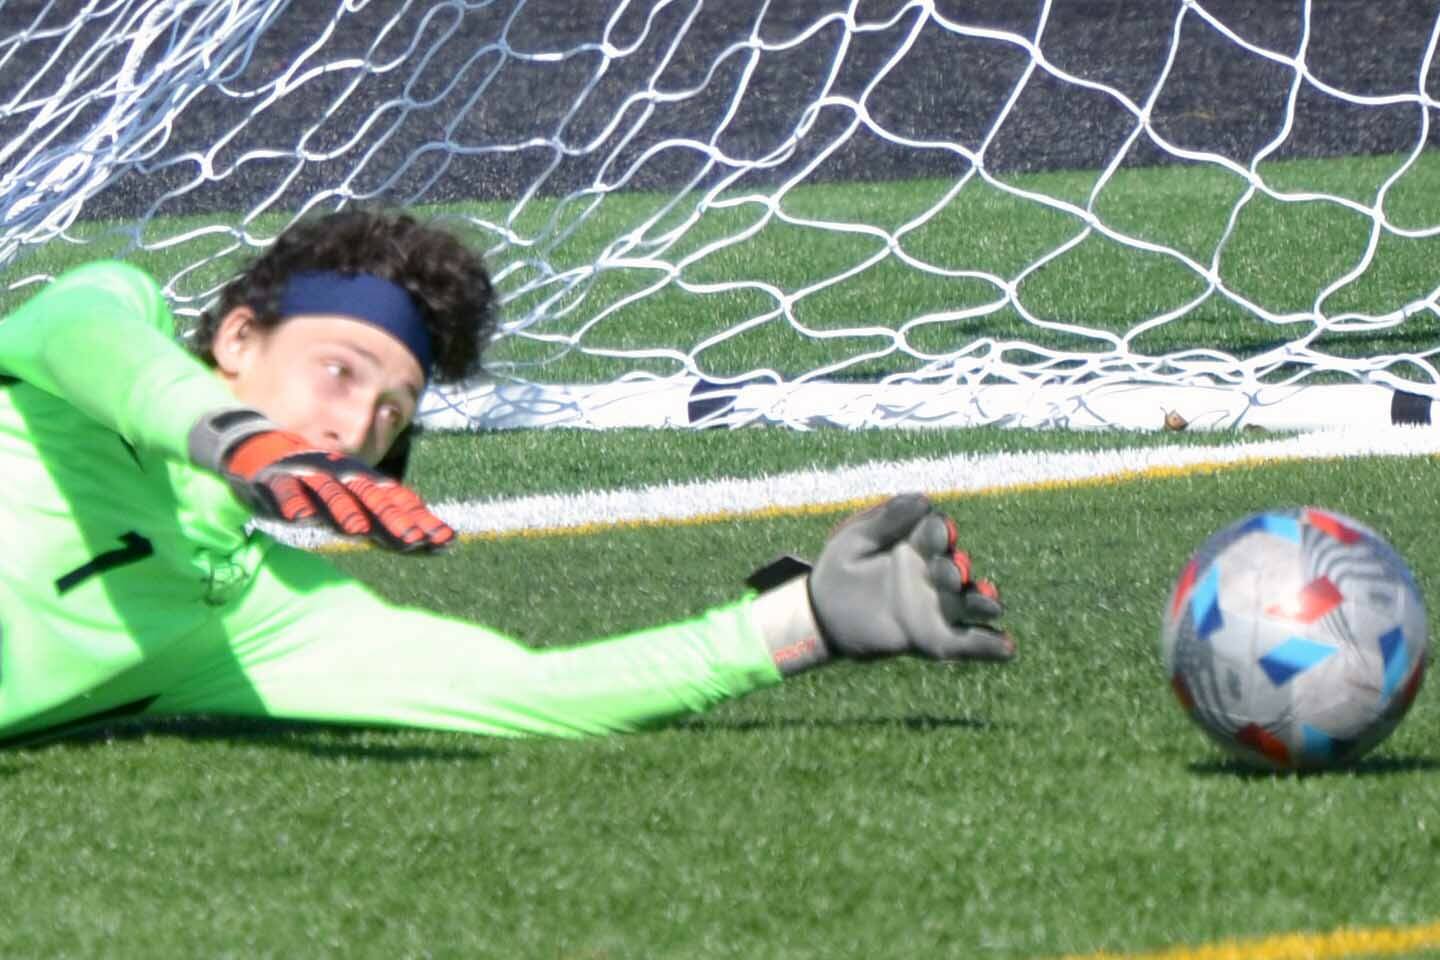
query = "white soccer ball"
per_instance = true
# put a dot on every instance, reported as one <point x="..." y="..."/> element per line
<point x="1295" y="638"/>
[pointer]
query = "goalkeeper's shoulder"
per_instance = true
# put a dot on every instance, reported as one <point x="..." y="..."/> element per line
<point x="87" y="311"/>
<point x="101" y="338"/>
<point x="122" y="291"/>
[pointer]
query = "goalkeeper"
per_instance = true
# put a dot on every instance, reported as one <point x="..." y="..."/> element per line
<point x="132" y="580"/>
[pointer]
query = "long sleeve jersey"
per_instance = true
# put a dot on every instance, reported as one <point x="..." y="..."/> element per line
<point x="131" y="580"/>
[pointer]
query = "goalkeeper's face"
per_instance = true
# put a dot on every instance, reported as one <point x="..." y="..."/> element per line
<point x="344" y="385"/>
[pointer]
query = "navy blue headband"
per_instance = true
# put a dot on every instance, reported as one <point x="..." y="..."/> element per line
<point x="364" y="297"/>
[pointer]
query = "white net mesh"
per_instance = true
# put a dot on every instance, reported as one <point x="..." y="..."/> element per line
<point x="805" y="212"/>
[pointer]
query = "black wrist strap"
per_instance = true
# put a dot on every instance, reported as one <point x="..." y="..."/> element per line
<point x="780" y="570"/>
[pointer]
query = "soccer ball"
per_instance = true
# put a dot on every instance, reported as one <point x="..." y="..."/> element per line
<point x="1295" y="638"/>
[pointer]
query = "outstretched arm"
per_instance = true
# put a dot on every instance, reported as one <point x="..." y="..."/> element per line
<point x="311" y="643"/>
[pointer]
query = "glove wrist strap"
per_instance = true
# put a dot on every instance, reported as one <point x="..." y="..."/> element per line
<point x="784" y="617"/>
<point x="219" y="432"/>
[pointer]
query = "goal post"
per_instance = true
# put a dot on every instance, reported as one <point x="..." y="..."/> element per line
<point x="1077" y="213"/>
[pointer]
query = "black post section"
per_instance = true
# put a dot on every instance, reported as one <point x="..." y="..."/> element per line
<point x="1409" y="408"/>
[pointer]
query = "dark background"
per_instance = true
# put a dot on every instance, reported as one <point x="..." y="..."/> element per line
<point x="475" y="112"/>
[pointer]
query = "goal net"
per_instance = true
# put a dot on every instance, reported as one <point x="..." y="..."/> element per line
<point x="1079" y="213"/>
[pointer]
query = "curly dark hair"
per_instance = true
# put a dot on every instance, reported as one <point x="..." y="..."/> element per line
<point x="447" y="279"/>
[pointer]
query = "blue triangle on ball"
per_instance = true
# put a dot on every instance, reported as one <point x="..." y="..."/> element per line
<point x="1295" y="655"/>
<point x="1392" y="646"/>
<point x="1205" y="605"/>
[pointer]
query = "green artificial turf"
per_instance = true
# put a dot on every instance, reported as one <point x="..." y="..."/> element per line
<point x="1058" y="804"/>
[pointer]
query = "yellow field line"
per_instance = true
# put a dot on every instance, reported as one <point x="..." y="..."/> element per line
<point x="930" y="478"/>
<point x="1349" y="942"/>
<point x="832" y="507"/>
<point x="860" y="503"/>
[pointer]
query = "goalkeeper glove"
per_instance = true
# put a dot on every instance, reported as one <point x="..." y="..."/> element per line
<point x="890" y="581"/>
<point x="282" y="476"/>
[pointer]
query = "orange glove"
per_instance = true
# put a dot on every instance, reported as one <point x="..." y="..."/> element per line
<point x="284" y="477"/>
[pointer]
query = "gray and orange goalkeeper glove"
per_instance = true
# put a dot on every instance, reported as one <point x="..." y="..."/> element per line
<point x="889" y="581"/>
<point x="282" y="476"/>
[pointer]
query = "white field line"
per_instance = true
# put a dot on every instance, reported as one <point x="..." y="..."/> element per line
<point x="810" y="491"/>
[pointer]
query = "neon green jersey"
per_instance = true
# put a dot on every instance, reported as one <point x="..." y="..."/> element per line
<point x="131" y="582"/>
